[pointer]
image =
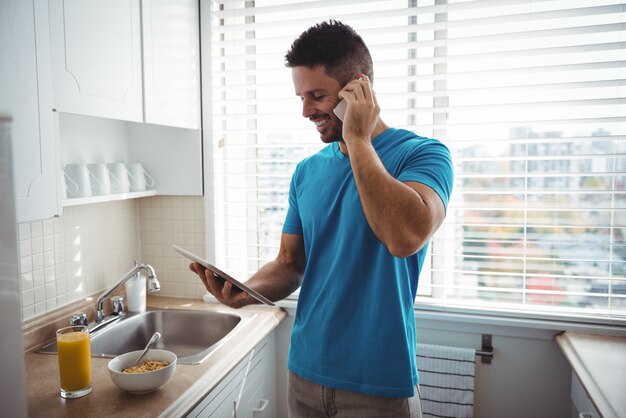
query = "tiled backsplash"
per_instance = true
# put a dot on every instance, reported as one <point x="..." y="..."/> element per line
<point x="167" y="220"/>
<point x="65" y="259"/>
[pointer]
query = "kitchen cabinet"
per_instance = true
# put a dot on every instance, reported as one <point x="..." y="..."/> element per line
<point x="126" y="78"/>
<point x="581" y="404"/>
<point x="249" y="391"/>
<point x="126" y="60"/>
<point x="171" y="62"/>
<point x="96" y="57"/>
<point x="26" y="96"/>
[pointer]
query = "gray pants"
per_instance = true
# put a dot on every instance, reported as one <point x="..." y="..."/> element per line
<point x="310" y="400"/>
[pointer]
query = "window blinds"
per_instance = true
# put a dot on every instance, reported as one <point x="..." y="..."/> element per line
<point x="530" y="97"/>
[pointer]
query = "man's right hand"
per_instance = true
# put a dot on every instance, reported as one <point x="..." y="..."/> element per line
<point x="223" y="290"/>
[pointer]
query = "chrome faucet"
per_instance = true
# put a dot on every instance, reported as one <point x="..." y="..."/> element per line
<point x="153" y="286"/>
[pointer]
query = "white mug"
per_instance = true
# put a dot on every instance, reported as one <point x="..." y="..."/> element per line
<point x="101" y="173"/>
<point x="79" y="174"/>
<point x="120" y="173"/>
<point x="69" y="185"/>
<point x="140" y="179"/>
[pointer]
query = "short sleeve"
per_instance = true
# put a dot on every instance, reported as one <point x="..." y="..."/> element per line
<point x="430" y="164"/>
<point x="293" y="223"/>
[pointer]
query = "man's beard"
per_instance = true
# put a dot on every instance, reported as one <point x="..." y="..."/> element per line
<point x="336" y="134"/>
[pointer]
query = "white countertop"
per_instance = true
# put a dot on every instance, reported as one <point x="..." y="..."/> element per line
<point x="600" y="363"/>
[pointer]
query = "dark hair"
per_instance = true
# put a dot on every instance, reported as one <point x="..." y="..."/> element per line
<point x="335" y="46"/>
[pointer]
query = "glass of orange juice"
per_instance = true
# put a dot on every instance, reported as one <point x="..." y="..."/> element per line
<point x="74" y="352"/>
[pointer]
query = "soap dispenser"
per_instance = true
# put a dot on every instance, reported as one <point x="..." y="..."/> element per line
<point x="136" y="293"/>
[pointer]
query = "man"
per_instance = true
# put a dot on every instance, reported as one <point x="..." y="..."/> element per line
<point x="361" y="213"/>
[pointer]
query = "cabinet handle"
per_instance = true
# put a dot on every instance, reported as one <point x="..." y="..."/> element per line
<point x="234" y="409"/>
<point x="262" y="405"/>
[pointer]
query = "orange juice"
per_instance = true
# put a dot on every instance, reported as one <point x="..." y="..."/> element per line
<point x="74" y="361"/>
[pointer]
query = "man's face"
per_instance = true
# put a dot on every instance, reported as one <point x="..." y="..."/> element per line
<point x="318" y="93"/>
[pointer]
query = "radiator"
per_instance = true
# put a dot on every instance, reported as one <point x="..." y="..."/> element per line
<point x="446" y="380"/>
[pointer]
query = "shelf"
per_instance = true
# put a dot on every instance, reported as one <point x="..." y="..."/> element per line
<point x="75" y="201"/>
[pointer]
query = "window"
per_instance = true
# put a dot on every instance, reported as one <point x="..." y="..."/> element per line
<point x="530" y="97"/>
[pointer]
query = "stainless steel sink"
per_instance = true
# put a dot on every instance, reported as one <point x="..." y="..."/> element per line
<point x="192" y="335"/>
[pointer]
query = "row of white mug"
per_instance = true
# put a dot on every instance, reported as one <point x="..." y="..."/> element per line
<point x="99" y="179"/>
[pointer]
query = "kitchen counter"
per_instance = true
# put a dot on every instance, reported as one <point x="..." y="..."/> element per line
<point x="187" y="387"/>
<point x="600" y="364"/>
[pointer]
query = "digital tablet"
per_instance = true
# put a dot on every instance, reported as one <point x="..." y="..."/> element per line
<point x="223" y="275"/>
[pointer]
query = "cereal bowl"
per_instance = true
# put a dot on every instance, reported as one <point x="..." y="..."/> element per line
<point x="142" y="382"/>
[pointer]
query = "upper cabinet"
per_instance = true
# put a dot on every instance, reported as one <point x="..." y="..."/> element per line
<point x="171" y="60"/>
<point x="26" y="96"/>
<point x="96" y="57"/>
<point x="98" y="47"/>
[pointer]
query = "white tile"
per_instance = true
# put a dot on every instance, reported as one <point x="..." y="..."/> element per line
<point x="59" y="255"/>
<point x="51" y="304"/>
<point x="39" y="278"/>
<point x="28" y="297"/>
<point x="25" y="248"/>
<point x="37" y="245"/>
<point x="48" y="227"/>
<point x="36" y="229"/>
<point x="62" y="300"/>
<point x="48" y="242"/>
<point x="26" y="264"/>
<point x="61" y="287"/>
<point x="51" y="290"/>
<point x="37" y="261"/>
<point x="28" y="312"/>
<point x="49" y="274"/>
<point x="40" y="308"/>
<point x="48" y="259"/>
<point x="58" y="225"/>
<point x="60" y="271"/>
<point x="27" y="281"/>
<point x="189" y="239"/>
<point x="178" y="213"/>
<point x="23" y="230"/>
<point x="59" y="240"/>
<point x="40" y="294"/>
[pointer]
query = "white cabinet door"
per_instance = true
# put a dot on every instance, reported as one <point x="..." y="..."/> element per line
<point x="249" y="391"/>
<point x="96" y="57"/>
<point x="221" y="402"/>
<point x="26" y="96"/>
<point x="171" y="59"/>
<point x="258" y="399"/>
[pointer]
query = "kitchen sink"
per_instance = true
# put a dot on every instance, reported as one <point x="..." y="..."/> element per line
<point x="191" y="335"/>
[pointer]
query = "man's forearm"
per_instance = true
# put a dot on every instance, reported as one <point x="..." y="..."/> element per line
<point x="275" y="280"/>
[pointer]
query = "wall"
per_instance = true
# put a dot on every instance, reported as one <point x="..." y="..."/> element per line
<point x="65" y="259"/>
<point x="529" y="376"/>
<point x="167" y="220"/>
<point x="90" y="247"/>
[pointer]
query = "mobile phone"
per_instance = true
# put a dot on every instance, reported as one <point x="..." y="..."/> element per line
<point x="340" y="110"/>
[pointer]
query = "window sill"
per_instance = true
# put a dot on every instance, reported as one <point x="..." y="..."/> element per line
<point x="511" y="323"/>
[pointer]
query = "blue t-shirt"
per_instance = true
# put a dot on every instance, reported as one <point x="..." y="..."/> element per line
<point x="354" y="327"/>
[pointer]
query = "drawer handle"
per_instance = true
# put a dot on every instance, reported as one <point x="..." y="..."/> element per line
<point x="262" y="405"/>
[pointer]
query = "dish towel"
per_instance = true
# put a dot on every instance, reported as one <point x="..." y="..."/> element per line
<point x="446" y="380"/>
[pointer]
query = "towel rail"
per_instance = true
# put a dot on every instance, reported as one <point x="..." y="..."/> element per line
<point x="486" y="352"/>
